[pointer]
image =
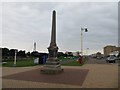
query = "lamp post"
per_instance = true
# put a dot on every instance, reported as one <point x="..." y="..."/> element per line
<point x="87" y="51"/>
<point x="15" y="58"/>
<point x="85" y="30"/>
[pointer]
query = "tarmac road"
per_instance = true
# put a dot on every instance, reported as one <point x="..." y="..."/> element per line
<point x="97" y="61"/>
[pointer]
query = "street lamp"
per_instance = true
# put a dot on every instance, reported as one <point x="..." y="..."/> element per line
<point x="85" y="30"/>
<point x="87" y="51"/>
<point x="15" y="57"/>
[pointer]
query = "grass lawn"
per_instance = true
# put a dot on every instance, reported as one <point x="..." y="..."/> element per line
<point x="30" y="62"/>
<point x="72" y="63"/>
<point x="75" y="62"/>
<point x="20" y="63"/>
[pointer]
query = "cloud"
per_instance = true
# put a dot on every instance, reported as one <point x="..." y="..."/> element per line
<point x="27" y="22"/>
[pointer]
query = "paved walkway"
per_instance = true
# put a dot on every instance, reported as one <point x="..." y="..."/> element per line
<point x="99" y="76"/>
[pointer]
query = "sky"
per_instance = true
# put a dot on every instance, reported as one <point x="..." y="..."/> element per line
<point x="24" y="23"/>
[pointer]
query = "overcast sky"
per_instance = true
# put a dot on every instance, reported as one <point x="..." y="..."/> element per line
<point x="24" y="23"/>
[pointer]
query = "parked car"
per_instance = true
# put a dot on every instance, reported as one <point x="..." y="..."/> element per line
<point x="99" y="58"/>
<point x="117" y="58"/>
<point x="111" y="58"/>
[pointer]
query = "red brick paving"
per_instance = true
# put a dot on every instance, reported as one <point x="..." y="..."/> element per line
<point x="69" y="76"/>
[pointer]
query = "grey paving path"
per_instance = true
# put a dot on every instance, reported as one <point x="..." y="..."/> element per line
<point x="99" y="76"/>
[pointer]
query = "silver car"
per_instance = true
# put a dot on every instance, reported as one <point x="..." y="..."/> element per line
<point x="111" y="58"/>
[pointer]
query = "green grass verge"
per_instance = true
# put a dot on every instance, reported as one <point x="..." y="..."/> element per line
<point x="20" y="63"/>
<point x="30" y="62"/>
<point x="72" y="63"/>
<point x="75" y="62"/>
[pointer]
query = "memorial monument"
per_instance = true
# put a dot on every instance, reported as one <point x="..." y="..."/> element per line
<point x="52" y="65"/>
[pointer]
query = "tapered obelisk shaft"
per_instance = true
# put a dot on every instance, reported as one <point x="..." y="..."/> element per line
<point x="53" y="46"/>
<point x="53" y="34"/>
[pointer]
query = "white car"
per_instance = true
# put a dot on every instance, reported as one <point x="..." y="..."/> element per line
<point x="111" y="58"/>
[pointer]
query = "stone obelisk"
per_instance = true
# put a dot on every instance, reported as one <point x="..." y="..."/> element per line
<point x="52" y="65"/>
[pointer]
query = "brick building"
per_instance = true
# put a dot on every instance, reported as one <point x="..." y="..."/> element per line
<point x="109" y="49"/>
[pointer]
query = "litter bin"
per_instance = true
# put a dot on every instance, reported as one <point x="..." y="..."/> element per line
<point x="40" y="59"/>
<point x="44" y="58"/>
<point x="36" y="60"/>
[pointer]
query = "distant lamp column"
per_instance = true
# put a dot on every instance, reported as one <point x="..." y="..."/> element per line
<point x="85" y="30"/>
<point x="87" y="51"/>
<point x="15" y="57"/>
<point x="34" y="49"/>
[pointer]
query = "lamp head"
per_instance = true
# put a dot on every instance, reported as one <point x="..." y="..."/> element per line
<point x="86" y="30"/>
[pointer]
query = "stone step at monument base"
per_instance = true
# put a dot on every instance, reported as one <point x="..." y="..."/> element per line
<point x="52" y="59"/>
<point x="51" y="69"/>
<point x="52" y="66"/>
<point x="52" y="62"/>
<point x="55" y="69"/>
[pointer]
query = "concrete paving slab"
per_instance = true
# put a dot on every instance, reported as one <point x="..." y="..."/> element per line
<point x="99" y="76"/>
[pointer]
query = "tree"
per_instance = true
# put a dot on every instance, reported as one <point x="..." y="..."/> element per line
<point x="65" y="55"/>
<point x="59" y="54"/>
<point x="21" y="54"/>
<point x="28" y="54"/>
<point x="34" y="54"/>
<point x="5" y="52"/>
<point x="12" y="52"/>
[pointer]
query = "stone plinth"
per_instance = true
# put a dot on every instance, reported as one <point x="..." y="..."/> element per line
<point x="52" y="66"/>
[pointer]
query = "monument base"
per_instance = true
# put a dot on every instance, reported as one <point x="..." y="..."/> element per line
<point x="50" y="71"/>
<point x="52" y="66"/>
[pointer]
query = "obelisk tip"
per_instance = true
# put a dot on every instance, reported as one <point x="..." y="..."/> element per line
<point x="54" y="11"/>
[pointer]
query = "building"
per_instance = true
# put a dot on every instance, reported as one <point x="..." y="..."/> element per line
<point x="110" y="49"/>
